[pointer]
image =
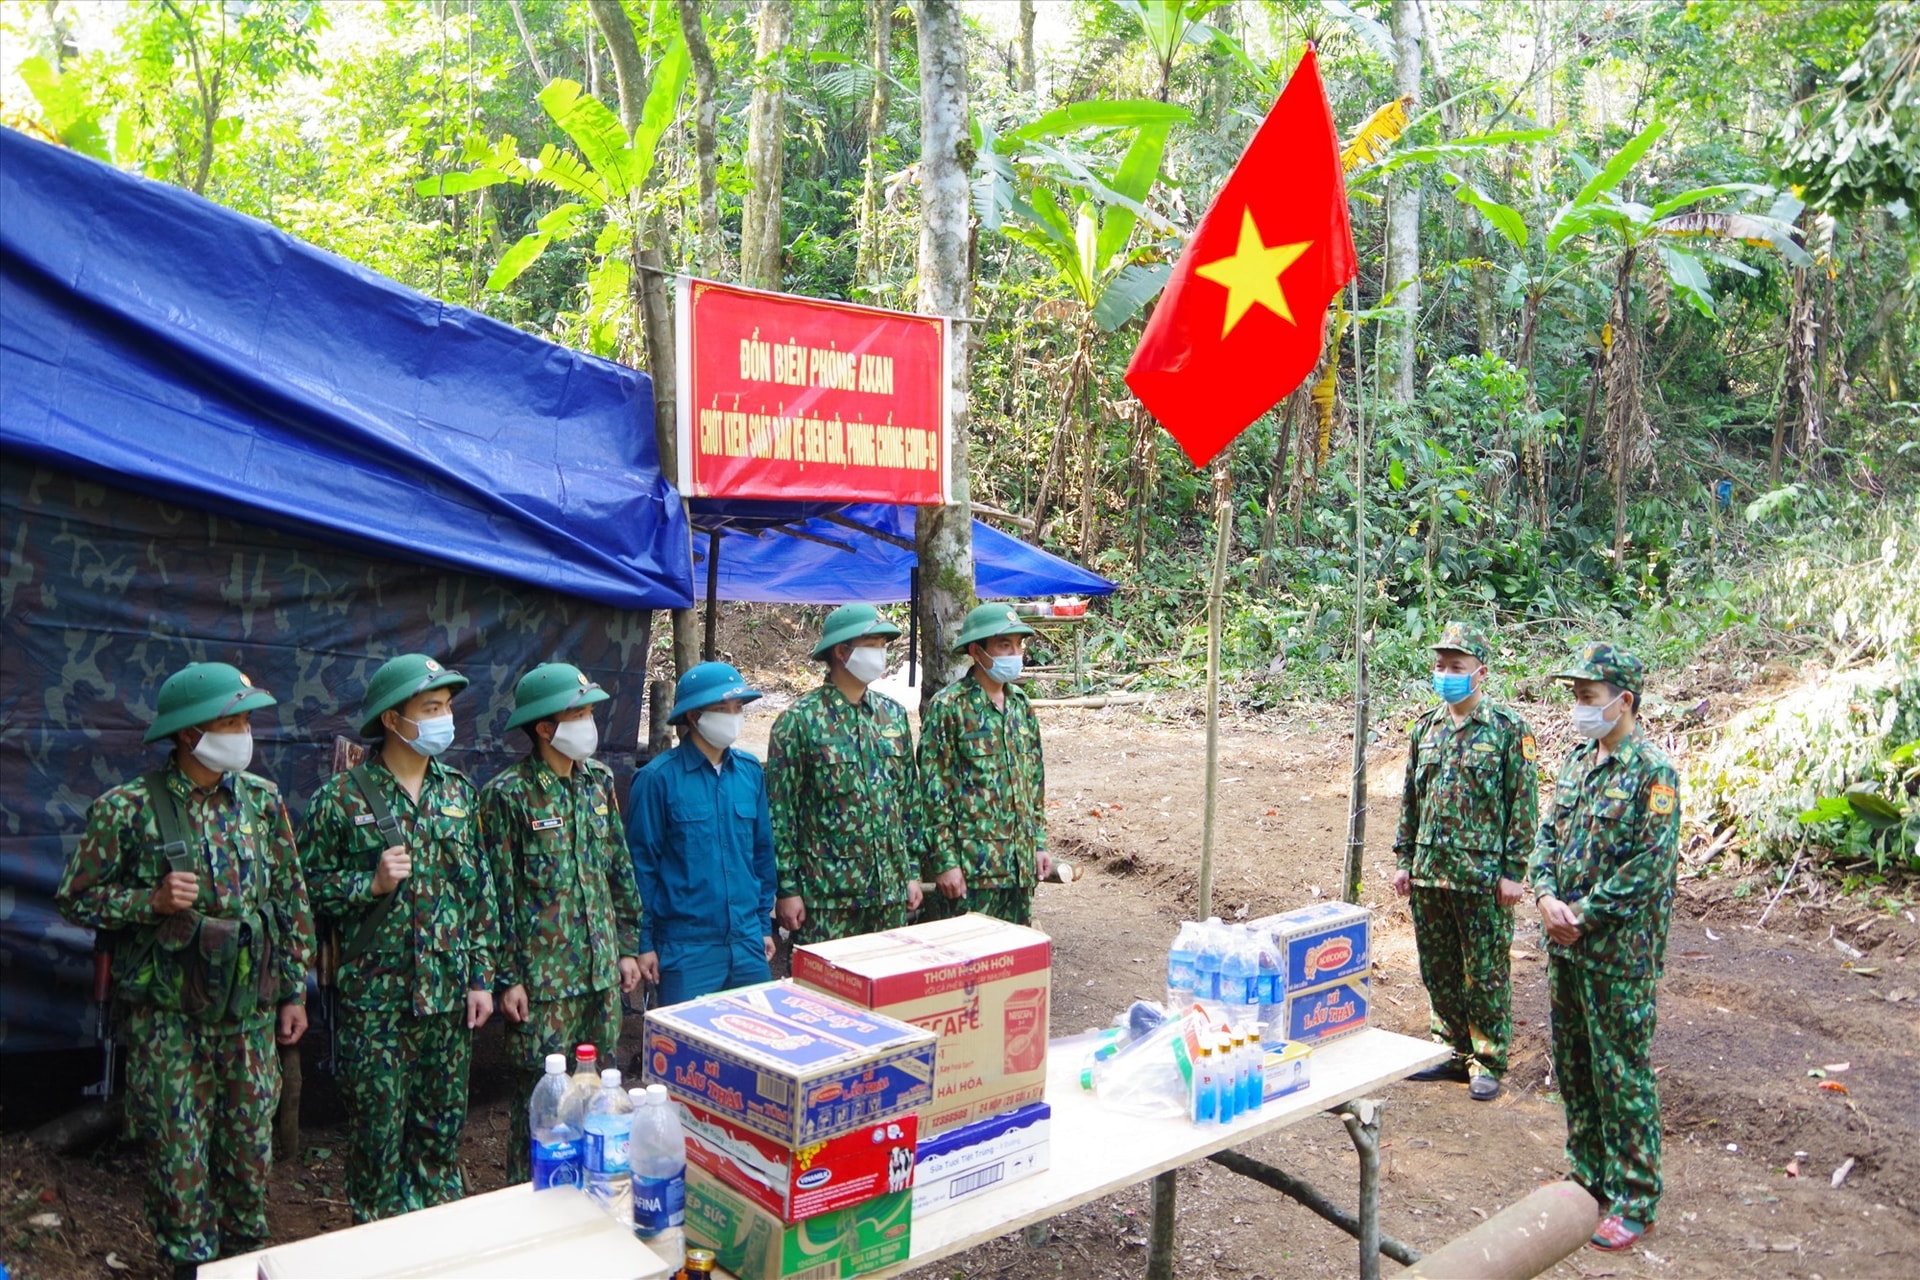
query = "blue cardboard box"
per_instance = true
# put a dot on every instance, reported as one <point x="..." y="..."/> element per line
<point x="977" y="1157"/>
<point x="795" y="1065"/>
<point x="1327" y="1012"/>
<point x="1322" y="943"/>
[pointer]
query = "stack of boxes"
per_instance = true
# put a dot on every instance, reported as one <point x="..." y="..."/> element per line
<point x="802" y="1120"/>
<point x="983" y="987"/>
<point x="1325" y="951"/>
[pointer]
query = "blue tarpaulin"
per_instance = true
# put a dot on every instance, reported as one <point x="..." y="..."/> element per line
<point x="152" y="339"/>
<point x="775" y="567"/>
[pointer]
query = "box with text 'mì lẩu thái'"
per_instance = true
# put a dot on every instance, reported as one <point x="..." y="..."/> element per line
<point x="981" y="985"/>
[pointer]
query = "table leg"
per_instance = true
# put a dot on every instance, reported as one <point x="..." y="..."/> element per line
<point x="1362" y="1118"/>
<point x="1160" y="1250"/>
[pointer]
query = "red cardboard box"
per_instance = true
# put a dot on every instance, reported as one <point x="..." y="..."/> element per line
<point x="798" y="1183"/>
<point x="981" y="985"/>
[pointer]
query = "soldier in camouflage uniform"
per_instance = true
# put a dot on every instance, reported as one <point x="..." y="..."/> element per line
<point x="414" y="904"/>
<point x="983" y="815"/>
<point x="569" y="916"/>
<point x="210" y="939"/>
<point x="841" y="783"/>
<point x="1603" y="875"/>
<point x="1467" y="815"/>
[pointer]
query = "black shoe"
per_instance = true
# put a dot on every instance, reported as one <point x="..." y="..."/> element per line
<point x="1483" y="1088"/>
<point x="1451" y="1072"/>
<point x="186" y="1270"/>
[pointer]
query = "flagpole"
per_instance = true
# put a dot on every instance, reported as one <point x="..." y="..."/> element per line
<point x="1357" y="792"/>
<point x="1222" y="536"/>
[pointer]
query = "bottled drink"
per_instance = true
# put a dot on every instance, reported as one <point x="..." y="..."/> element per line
<point x="1182" y="966"/>
<point x="658" y="1156"/>
<point x="1206" y="1089"/>
<point x="1257" y="1051"/>
<point x="1207" y="961"/>
<point x="609" y="1127"/>
<point x="556" y="1147"/>
<point x="1273" y="980"/>
<point x="581" y="1089"/>
<point x="1240" y="979"/>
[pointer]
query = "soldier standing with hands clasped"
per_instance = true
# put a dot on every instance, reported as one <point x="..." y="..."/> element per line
<point x="191" y="876"/>
<point x="1603" y="876"/>
<point x="569" y="940"/>
<point x="392" y="852"/>
<point x="1467" y="815"/>
<point x="840" y="778"/>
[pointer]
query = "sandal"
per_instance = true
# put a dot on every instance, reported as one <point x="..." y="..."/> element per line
<point x="1616" y="1233"/>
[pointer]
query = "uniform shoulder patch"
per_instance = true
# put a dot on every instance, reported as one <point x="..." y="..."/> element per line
<point x="1529" y="749"/>
<point x="1661" y="798"/>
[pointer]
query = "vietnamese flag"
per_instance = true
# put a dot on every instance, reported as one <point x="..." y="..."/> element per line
<point x="1239" y="326"/>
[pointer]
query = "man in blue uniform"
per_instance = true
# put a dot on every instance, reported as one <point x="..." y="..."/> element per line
<point x="701" y="836"/>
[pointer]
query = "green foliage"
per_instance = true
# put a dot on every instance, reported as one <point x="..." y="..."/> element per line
<point x="1857" y="143"/>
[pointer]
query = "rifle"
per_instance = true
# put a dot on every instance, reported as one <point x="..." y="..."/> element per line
<point x="346" y="756"/>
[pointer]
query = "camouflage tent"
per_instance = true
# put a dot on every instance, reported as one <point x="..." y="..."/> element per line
<point x="224" y="444"/>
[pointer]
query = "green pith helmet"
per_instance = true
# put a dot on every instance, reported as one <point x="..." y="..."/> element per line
<point x="1609" y="664"/>
<point x="551" y="688"/>
<point x="988" y="621"/>
<point x="852" y="622"/>
<point x="203" y="691"/>
<point x="399" y="679"/>
<point x="706" y="684"/>
<point x="1464" y="639"/>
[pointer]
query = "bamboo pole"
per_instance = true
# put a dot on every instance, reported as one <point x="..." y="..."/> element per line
<point x="1222" y="536"/>
<point x="1357" y="801"/>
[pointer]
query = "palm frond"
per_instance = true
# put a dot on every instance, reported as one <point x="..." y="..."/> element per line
<point x="1376" y="135"/>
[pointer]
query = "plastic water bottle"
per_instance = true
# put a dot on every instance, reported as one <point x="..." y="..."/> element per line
<point x="1240" y="979"/>
<point x="581" y="1089"/>
<point x="1206" y="1089"/>
<point x="1273" y="980"/>
<point x="556" y="1147"/>
<point x="1209" y="958"/>
<point x="1183" y="966"/>
<point x="1257" y="1086"/>
<point x="609" y="1127"/>
<point x="658" y="1156"/>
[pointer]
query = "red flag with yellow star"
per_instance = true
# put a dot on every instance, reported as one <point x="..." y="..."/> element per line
<point x="1239" y="326"/>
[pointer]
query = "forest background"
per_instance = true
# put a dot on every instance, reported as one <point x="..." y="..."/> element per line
<point x="1632" y="353"/>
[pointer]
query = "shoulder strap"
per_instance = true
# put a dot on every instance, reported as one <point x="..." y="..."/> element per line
<point x="376" y="802"/>
<point x="391" y="832"/>
<point x="172" y="823"/>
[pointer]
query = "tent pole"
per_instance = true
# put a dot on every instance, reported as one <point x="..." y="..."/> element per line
<point x="1222" y="536"/>
<point x="1357" y="795"/>
<point x="913" y="625"/>
<point x="713" y="595"/>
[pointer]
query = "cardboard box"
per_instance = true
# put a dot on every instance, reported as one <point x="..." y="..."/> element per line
<point x="980" y="1156"/>
<point x="1327" y="1012"/>
<point x="794" y="1065"/>
<point x="1321" y="943"/>
<point x="753" y="1244"/>
<point x="1285" y="1070"/>
<point x="796" y="1184"/>
<point x="982" y="985"/>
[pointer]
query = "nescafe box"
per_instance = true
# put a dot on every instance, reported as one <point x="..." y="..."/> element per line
<point x="796" y="1183"/>
<point x="1321" y="943"/>
<point x="789" y="1063"/>
<point x="981" y="985"/>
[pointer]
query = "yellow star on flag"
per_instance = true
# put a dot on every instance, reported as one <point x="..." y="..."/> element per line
<point x="1252" y="274"/>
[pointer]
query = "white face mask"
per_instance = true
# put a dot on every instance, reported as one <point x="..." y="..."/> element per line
<point x="867" y="663"/>
<point x="719" y="728"/>
<point x="225" y="752"/>
<point x="1592" y="722"/>
<point x="576" y="739"/>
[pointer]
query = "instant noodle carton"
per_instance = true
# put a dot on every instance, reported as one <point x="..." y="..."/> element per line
<point x="1327" y="1012"/>
<point x="981" y="985"/>
<point x="800" y="1183"/>
<point x="1322" y="943"/>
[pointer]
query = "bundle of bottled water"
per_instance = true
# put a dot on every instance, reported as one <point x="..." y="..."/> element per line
<point x="1235" y="966"/>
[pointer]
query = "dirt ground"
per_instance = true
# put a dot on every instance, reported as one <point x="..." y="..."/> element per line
<point x="1746" y="1012"/>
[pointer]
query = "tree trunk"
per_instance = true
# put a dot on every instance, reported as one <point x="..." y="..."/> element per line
<point x="1079" y="370"/>
<point x="1028" y="78"/>
<point x="760" y="240"/>
<point x="1403" y="210"/>
<point x="650" y="286"/>
<point x="944" y="535"/>
<point x="1276" y="485"/>
<point x="866" y="267"/>
<point x="710" y="254"/>
<point x="526" y="41"/>
<point x="1626" y="417"/>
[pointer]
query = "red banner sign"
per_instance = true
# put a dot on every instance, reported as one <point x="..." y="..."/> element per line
<point x="786" y="397"/>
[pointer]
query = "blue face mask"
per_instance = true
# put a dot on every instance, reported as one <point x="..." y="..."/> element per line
<point x="1452" y="688"/>
<point x="431" y="737"/>
<point x="1006" y="668"/>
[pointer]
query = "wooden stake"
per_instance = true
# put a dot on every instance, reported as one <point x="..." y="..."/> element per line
<point x="1357" y="794"/>
<point x="1222" y="537"/>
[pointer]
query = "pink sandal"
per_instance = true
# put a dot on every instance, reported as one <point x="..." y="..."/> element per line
<point x="1616" y="1233"/>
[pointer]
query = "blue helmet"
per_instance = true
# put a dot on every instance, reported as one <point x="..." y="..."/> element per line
<point x="706" y="684"/>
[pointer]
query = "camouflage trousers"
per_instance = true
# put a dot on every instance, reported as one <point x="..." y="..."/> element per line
<point x="200" y="1097"/>
<point x="1602" y="1054"/>
<point x="1464" y="938"/>
<point x="1014" y="905"/>
<point x="555" y="1026"/>
<point x="829" y="918"/>
<point x="404" y="1078"/>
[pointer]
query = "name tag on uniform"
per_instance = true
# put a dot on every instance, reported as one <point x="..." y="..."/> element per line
<point x="1615" y="793"/>
<point x="600" y="810"/>
<point x="363" y="819"/>
<point x="1485" y="748"/>
<point x="545" y="824"/>
<point x="453" y="811"/>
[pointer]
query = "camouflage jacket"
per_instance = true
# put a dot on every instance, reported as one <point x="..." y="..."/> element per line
<point x="568" y="905"/>
<point x="983" y="787"/>
<point x="840" y="778"/>
<point x="1610" y="849"/>
<point x="436" y="942"/>
<point x="1471" y="799"/>
<point x="248" y="869"/>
